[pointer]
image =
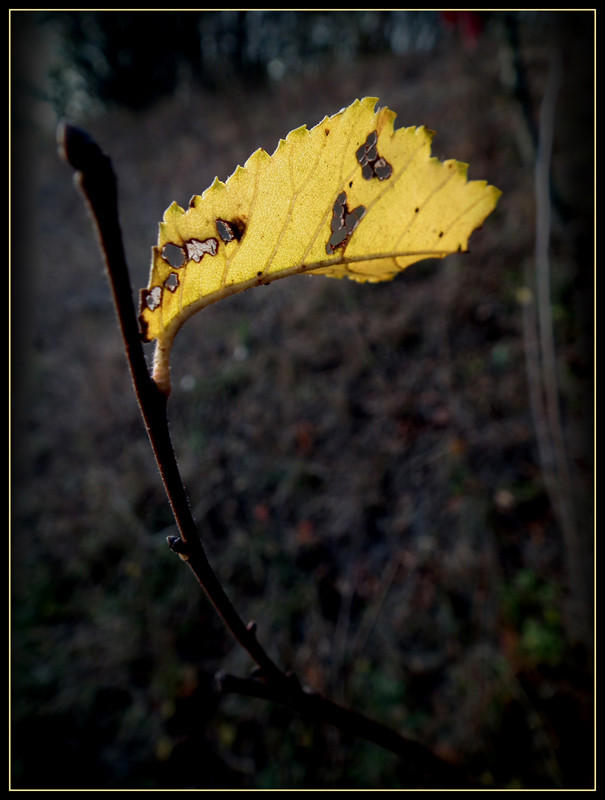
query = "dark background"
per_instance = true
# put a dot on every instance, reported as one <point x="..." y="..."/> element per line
<point x="372" y="480"/>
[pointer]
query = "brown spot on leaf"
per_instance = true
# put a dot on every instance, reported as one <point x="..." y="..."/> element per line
<point x="343" y="223"/>
<point x="143" y="325"/>
<point x="196" y="250"/>
<point x="372" y="164"/>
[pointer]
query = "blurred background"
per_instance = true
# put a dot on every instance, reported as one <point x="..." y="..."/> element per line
<point x="395" y="481"/>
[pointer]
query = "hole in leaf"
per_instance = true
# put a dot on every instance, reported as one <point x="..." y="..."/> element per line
<point x="372" y="164"/>
<point x="152" y="298"/>
<point x="230" y="231"/>
<point x="172" y="282"/>
<point x="174" y="255"/>
<point x="337" y="238"/>
<point x="382" y="169"/>
<point x="196" y="250"/>
<point x="343" y="223"/>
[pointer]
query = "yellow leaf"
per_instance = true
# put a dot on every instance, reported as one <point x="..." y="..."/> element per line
<point x="352" y="197"/>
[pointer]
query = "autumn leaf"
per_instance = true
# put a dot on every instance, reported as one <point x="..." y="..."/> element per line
<point x="353" y="197"/>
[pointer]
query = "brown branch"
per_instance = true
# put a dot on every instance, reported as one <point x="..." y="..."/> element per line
<point x="421" y="765"/>
<point x="96" y="179"/>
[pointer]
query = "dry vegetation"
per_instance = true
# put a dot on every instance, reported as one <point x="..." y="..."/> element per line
<point x="362" y="462"/>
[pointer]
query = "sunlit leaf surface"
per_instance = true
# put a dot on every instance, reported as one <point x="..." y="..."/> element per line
<point x="353" y="197"/>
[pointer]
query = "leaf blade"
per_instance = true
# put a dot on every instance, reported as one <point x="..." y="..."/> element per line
<point x="352" y="197"/>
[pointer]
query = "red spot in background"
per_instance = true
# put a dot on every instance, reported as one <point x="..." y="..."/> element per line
<point x="306" y="533"/>
<point x="261" y="513"/>
<point x="468" y="24"/>
<point x="305" y="437"/>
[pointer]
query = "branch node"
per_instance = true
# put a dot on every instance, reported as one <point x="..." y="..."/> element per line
<point x="258" y="673"/>
<point x="294" y="681"/>
<point x="219" y="680"/>
<point x="177" y="545"/>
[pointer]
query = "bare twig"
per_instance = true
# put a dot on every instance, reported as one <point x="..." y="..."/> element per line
<point x="373" y="612"/>
<point x="96" y="179"/>
<point x="422" y="767"/>
<point x="542" y="367"/>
